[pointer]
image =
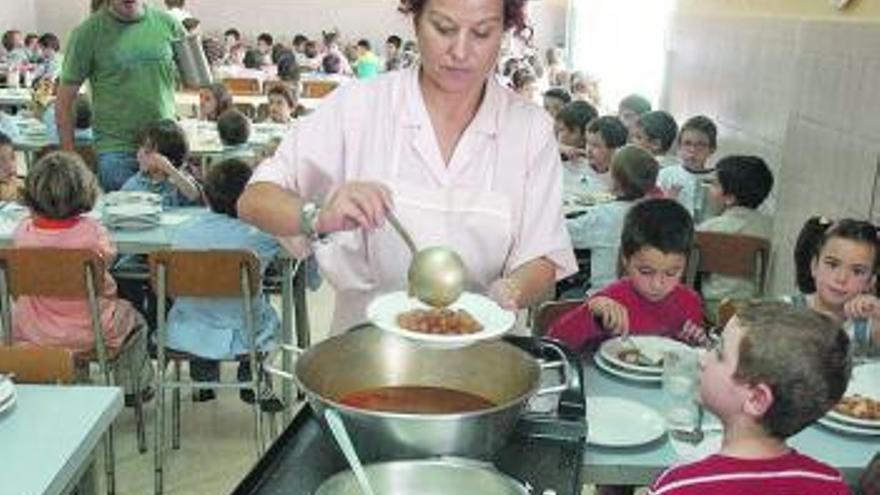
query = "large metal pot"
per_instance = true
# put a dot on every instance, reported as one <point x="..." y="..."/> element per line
<point x="429" y="477"/>
<point x="370" y="358"/>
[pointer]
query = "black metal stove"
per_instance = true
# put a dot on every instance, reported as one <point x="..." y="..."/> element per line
<point x="545" y="452"/>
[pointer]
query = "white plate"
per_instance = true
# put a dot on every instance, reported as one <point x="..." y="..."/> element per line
<point x="865" y="381"/>
<point x="604" y="365"/>
<point x="131" y="197"/>
<point x="649" y="343"/>
<point x="849" y="429"/>
<point x="496" y="321"/>
<point x="616" y="422"/>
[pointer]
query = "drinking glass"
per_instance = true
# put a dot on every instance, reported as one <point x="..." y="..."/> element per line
<point x="680" y="385"/>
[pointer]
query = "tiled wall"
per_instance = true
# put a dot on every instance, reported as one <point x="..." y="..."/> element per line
<point x="803" y="94"/>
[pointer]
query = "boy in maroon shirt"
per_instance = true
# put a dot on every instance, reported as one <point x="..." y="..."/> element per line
<point x="776" y="370"/>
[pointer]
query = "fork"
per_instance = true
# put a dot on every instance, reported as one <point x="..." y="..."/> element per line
<point x="694" y="436"/>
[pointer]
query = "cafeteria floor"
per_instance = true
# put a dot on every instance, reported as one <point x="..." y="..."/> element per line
<point x="216" y="446"/>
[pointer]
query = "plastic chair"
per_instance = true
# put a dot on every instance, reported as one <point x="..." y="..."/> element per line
<point x="71" y="274"/>
<point x="243" y="85"/>
<point x="317" y="88"/>
<point x="202" y="274"/>
<point x="729" y="254"/>
<point x="28" y="364"/>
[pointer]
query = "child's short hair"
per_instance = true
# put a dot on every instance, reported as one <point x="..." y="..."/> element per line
<point x="611" y="128"/>
<point x="49" y="40"/>
<point x="82" y="112"/>
<point x="266" y="38"/>
<point x="703" y="125"/>
<point x="288" y="68"/>
<point x="576" y="115"/>
<point x="166" y="138"/>
<point x="816" y="232"/>
<point x="253" y="59"/>
<point x="800" y="354"/>
<point x="394" y="40"/>
<point x="234" y="127"/>
<point x="522" y="77"/>
<point x="222" y="97"/>
<point x="662" y="223"/>
<point x="636" y="103"/>
<point x="60" y="186"/>
<point x="5" y="140"/>
<point x="661" y="126"/>
<point x="747" y="178"/>
<point x="560" y="94"/>
<point x="225" y="183"/>
<point x="311" y="48"/>
<point x="364" y="43"/>
<point x="190" y="24"/>
<point x="331" y="64"/>
<point x="283" y="91"/>
<point x="634" y="172"/>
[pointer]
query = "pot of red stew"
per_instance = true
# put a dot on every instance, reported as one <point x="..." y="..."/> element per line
<point x="400" y="399"/>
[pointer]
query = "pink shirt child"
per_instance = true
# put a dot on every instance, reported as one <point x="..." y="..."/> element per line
<point x="578" y="328"/>
<point x="54" y="322"/>
<point x="722" y="475"/>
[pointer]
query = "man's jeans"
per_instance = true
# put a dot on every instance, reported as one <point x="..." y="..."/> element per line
<point x="115" y="167"/>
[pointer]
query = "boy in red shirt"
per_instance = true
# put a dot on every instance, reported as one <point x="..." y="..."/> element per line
<point x="776" y="370"/>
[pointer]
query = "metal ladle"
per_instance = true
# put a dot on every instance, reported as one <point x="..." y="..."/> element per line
<point x="436" y="274"/>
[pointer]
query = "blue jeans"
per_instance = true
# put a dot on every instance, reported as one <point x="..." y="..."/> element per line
<point x="115" y="167"/>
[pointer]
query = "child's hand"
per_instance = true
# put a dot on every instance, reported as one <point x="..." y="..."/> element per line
<point x="571" y="152"/>
<point x="693" y="334"/>
<point x="862" y="306"/>
<point x="673" y="191"/>
<point x="159" y="163"/>
<point x="614" y="315"/>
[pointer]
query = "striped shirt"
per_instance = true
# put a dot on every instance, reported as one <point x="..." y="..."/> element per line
<point x="789" y="474"/>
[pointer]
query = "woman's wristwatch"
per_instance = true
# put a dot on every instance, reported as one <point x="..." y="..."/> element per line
<point x="308" y="221"/>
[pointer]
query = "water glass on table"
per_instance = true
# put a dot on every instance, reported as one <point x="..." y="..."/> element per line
<point x="680" y="385"/>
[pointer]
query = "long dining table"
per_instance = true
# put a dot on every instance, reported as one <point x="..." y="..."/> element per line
<point x="640" y="464"/>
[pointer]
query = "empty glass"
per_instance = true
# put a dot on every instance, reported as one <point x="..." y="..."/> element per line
<point x="680" y="385"/>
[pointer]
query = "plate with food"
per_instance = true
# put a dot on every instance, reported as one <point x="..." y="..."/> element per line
<point x="860" y="405"/>
<point x="647" y="378"/>
<point x="471" y="318"/>
<point x="639" y="353"/>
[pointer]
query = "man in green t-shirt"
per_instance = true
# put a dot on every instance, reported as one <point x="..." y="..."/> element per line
<point x="124" y="51"/>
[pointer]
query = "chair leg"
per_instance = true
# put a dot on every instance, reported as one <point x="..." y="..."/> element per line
<point x="110" y="461"/>
<point x="258" y="414"/>
<point x="137" y="386"/>
<point x="159" y="433"/>
<point x="175" y="409"/>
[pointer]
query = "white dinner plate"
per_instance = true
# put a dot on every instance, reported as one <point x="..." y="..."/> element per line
<point x="635" y="376"/>
<point x="131" y="197"/>
<point x="616" y="422"/>
<point x="865" y="381"/>
<point x="383" y="312"/>
<point x="849" y="429"/>
<point x="610" y="350"/>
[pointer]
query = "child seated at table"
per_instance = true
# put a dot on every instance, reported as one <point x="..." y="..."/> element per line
<point x="282" y="104"/>
<point x="82" y="123"/>
<point x="740" y="185"/>
<point x="633" y="172"/>
<point x="161" y="155"/>
<point x="235" y="130"/>
<point x="630" y="108"/>
<point x="570" y="126"/>
<point x="214" y="329"/>
<point x="10" y="183"/>
<point x="683" y="181"/>
<point x="656" y="131"/>
<point x="59" y="189"/>
<point x="604" y="136"/>
<point x="836" y="264"/>
<point x="214" y="99"/>
<point x="776" y="370"/>
<point x="657" y="238"/>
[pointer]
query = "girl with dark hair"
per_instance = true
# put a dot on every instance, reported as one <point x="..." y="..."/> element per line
<point x="836" y="264"/>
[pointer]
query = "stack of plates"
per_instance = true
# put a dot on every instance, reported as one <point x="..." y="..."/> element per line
<point x="7" y="393"/>
<point x="131" y="210"/>
<point x="609" y="358"/>
<point x="865" y="382"/>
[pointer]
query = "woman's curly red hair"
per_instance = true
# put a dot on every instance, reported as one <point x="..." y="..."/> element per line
<point x="514" y="14"/>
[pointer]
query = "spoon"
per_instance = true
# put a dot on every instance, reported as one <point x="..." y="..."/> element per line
<point x="436" y="274"/>
<point x="337" y="427"/>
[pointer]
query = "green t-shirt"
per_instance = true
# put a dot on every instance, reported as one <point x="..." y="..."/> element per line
<point x="131" y="70"/>
<point x="367" y="66"/>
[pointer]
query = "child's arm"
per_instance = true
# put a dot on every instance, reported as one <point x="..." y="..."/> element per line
<point x="613" y="315"/>
<point x="183" y="182"/>
<point x="588" y="322"/>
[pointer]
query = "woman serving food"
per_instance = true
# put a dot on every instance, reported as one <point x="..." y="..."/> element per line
<point x="463" y="162"/>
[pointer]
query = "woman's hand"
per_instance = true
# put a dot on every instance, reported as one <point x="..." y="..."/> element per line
<point x="694" y="334"/>
<point x="614" y="315"/>
<point x="506" y="293"/>
<point x="862" y="306"/>
<point x="355" y="205"/>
